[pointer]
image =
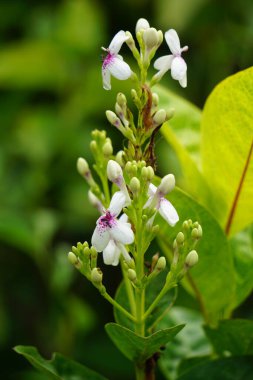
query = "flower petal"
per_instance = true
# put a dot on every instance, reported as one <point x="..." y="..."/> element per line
<point x="163" y="63"/>
<point x="151" y="189"/>
<point x="121" y="232"/>
<point x="106" y="75"/>
<point x="100" y="237"/>
<point x="168" y="212"/>
<point x="117" y="42"/>
<point x="119" y="69"/>
<point x="117" y="203"/>
<point x="124" y="252"/>
<point x="178" y="68"/>
<point x="173" y="41"/>
<point x="111" y="254"/>
<point x="124" y="218"/>
<point x="183" y="81"/>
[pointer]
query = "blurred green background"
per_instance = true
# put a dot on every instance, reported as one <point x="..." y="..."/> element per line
<point x="51" y="98"/>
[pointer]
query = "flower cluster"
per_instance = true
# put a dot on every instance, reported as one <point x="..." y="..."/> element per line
<point x="149" y="40"/>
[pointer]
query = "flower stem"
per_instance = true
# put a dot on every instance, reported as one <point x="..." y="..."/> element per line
<point x="118" y="306"/>
<point x="129" y="290"/>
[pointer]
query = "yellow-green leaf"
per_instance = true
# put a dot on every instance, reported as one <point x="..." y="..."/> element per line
<point x="227" y="133"/>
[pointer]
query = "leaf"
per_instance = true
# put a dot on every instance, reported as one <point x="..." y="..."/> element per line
<point x="235" y="368"/>
<point x="136" y="347"/>
<point x="242" y="249"/>
<point x="187" y="169"/>
<point x="227" y="150"/>
<point x="206" y="280"/>
<point x="186" y="121"/>
<point x="232" y="337"/>
<point x="59" y="367"/>
<point x="191" y="342"/>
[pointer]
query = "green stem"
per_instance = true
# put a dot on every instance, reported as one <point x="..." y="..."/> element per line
<point x="105" y="189"/>
<point x="118" y="306"/>
<point x="129" y="290"/>
<point x="169" y="284"/>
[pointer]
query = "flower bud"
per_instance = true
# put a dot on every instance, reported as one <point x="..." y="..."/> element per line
<point x="121" y="99"/>
<point x="96" y="276"/>
<point x="161" y="263"/>
<point x="134" y="185"/>
<point x="150" y="173"/>
<point x="144" y="173"/>
<point x="82" y="167"/>
<point x="180" y="238"/>
<point x="191" y="259"/>
<point x="160" y="117"/>
<point x="113" y="118"/>
<point x="131" y="275"/>
<point x="72" y="258"/>
<point x="114" y="171"/>
<point x="155" y="99"/>
<point x="150" y="38"/>
<point x="93" y="146"/>
<point x="119" y="158"/>
<point x="142" y="23"/>
<point x="107" y="148"/>
<point x="167" y="184"/>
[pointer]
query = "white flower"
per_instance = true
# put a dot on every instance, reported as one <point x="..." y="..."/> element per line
<point x="113" y="63"/>
<point x="111" y="234"/>
<point x="173" y="61"/>
<point x="112" y="251"/>
<point x="165" y="208"/>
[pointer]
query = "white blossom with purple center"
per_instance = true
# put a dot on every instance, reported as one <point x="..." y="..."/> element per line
<point x="173" y="61"/>
<point x="112" y="234"/>
<point x="113" y="63"/>
<point x="163" y="206"/>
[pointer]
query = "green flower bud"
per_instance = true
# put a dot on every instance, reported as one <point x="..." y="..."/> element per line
<point x="134" y="185"/>
<point x="72" y="258"/>
<point x="155" y="99"/>
<point x="144" y="173"/>
<point x="121" y="99"/>
<point x="180" y="238"/>
<point x="107" y="148"/>
<point x="160" y="117"/>
<point x="82" y="167"/>
<point x="161" y="263"/>
<point x="120" y="158"/>
<point x="150" y="173"/>
<point x="96" y="276"/>
<point x="93" y="146"/>
<point x="160" y="37"/>
<point x="170" y="113"/>
<point x="195" y="233"/>
<point x="131" y="275"/>
<point x="191" y="259"/>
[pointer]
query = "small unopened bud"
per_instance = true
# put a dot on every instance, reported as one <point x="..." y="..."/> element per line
<point x="114" y="171"/>
<point x="134" y="185"/>
<point x="72" y="258"/>
<point x="191" y="259"/>
<point x="142" y="23"/>
<point x="113" y="118"/>
<point x="121" y="99"/>
<point x="131" y="275"/>
<point x="160" y="37"/>
<point x="93" y="146"/>
<point x="150" y="38"/>
<point x="160" y="117"/>
<point x="144" y="173"/>
<point x="150" y="173"/>
<point x="107" y="148"/>
<point x="161" y="263"/>
<point x="167" y="184"/>
<point x="170" y="113"/>
<point x="155" y="99"/>
<point x="119" y="158"/>
<point x="180" y="238"/>
<point x="96" y="276"/>
<point x="82" y="167"/>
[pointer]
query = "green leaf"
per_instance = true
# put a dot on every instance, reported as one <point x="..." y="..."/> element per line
<point x="242" y="249"/>
<point x="235" y="368"/>
<point x="59" y="367"/>
<point x="136" y="347"/>
<point x="227" y="150"/>
<point x="232" y="337"/>
<point x="191" y="342"/>
<point x="206" y="280"/>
